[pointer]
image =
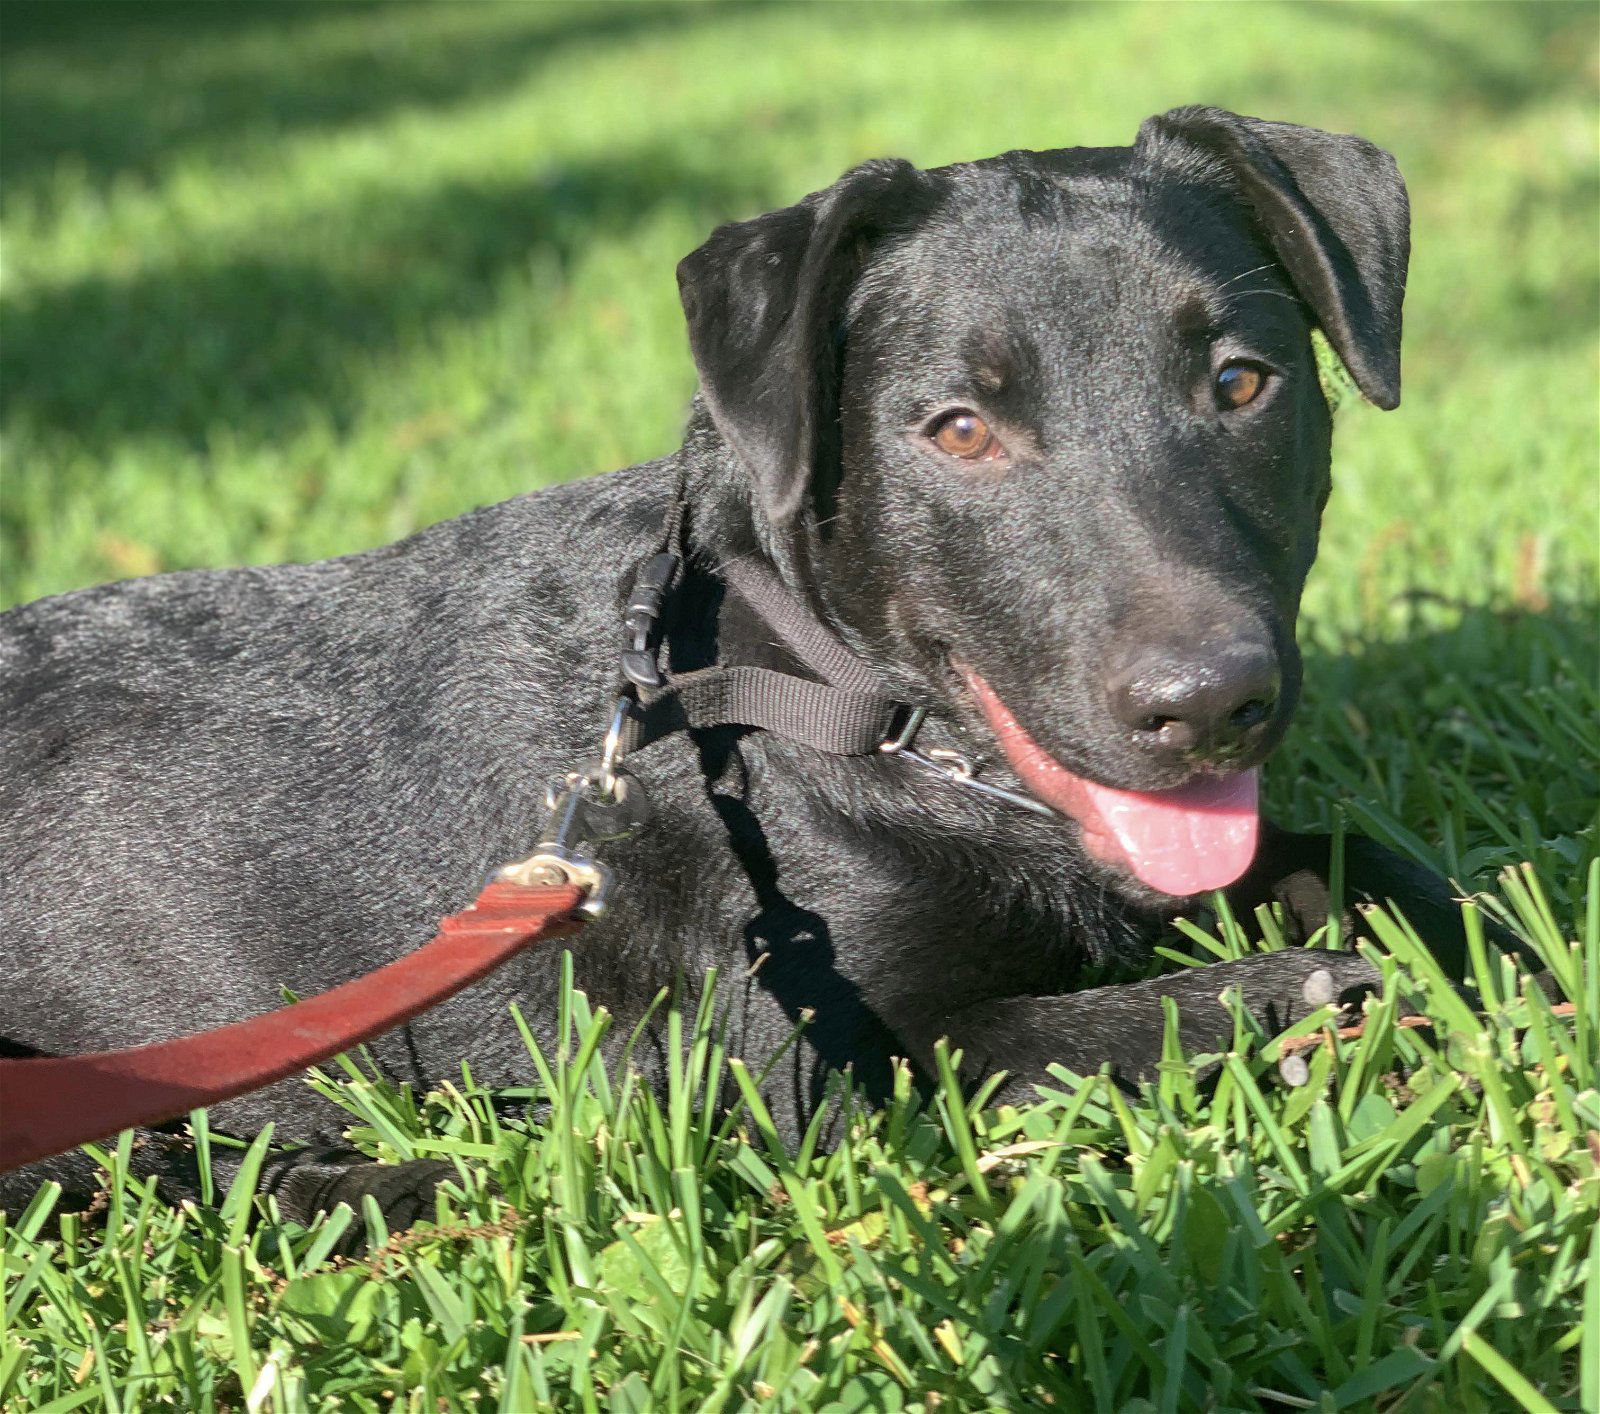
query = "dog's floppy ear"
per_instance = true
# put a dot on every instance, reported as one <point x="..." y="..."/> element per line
<point x="763" y="299"/>
<point x="1335" y="210"/>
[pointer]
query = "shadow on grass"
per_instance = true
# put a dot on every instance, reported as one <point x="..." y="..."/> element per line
<point x="257" y="343"/>
<point x="88" y="25"/>
<point x="107" y="84"/>
<point x="1480" y="720"/>
<point x="1558" y="34"/>
<point x="1473" y="644"/>
<point x="253" y="339"/>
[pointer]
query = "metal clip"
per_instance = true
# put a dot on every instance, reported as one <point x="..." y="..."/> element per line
<point x="602" y="802"/>
<point x="594" y="806"/>
<point x="952" y="766"/>
<point x="957" y="770"/>
<point x="959" y="766"/>
<point x="902" y="739"/>
<point x="611" y="746"/>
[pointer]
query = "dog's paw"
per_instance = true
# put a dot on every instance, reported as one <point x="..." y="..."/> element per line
<point x="1293" y="871"/>
<point x="1126" y="1024"/>
<point x="1280" y="988"/>
<point x="404" y="1192"/>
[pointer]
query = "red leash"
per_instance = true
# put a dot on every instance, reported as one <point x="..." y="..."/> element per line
<point x="54" y="1103"/>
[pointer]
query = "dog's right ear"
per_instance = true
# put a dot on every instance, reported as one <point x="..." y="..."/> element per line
<point x="763" y="300"/>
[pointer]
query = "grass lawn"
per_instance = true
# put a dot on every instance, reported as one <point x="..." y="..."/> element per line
<point x="283" y="281"/>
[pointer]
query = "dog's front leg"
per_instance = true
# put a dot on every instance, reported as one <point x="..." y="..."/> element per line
<point x="1295" y="871"/>
<point x="1125" y="1025"/>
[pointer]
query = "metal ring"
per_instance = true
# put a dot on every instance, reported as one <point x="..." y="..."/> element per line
<point x="907" y="734"/>
<point x="961" y="766"/>
<point x="611" y="752"/>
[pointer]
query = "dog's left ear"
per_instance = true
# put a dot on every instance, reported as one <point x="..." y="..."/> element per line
<point x="1335" y="209"/>
<point x="763" y="299"/>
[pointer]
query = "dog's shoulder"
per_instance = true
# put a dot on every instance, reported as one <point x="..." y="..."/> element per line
<point x="390" y="649"/>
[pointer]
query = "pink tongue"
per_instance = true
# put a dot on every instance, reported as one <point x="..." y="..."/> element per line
<point x="1185" y="841"/>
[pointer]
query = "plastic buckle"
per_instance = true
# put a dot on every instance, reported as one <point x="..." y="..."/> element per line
<point x="641" y="619"/>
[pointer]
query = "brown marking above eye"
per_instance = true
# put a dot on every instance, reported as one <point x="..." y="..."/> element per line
<point x="989" y="354"/>
<point x="962" y="434"/>
<point x="1194" y="317"/>
<point x="1238" y="384"/>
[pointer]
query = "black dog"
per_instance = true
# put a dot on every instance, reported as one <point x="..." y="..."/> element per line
<point x="1039" y="440"/>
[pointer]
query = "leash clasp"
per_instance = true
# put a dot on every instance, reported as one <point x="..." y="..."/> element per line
<point x="597" y="805"/>
<point x="602" y="802"/>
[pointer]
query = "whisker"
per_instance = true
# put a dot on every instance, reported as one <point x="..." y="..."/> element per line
<point x="1228" y="303"/>
<point x="1274" y="294"/>
<point x="1224" y="285"/>
<point x="733" y="559"/>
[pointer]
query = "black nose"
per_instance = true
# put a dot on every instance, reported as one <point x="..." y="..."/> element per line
<point x="1204" y="704"/>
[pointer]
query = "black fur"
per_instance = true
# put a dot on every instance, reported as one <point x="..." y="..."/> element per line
<point x="220" y="784"/>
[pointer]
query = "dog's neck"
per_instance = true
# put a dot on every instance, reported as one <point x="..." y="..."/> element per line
<point x="727" y="520"/>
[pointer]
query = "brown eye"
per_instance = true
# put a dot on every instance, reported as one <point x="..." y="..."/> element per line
<point x="965" y="435"/>
<point x="1238" y="384"/>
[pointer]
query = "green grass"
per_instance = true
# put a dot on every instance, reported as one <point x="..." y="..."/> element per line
<point x="286" y="281"/>
<point x="1421" y="1244"/>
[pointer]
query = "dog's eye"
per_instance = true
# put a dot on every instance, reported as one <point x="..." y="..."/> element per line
<point x="1238" y="384"/>
<point x="965" y="435"/>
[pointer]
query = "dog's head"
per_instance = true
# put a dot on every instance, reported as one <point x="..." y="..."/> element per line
<point x="1044" y="435"/>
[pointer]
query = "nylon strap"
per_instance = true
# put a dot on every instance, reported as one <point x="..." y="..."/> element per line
<point x="814" y="713"/>
<point x="814" y="645"/>
<point x="846" y="713"/>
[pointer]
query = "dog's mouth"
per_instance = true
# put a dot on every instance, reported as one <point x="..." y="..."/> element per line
<point x="1183" y="841"/>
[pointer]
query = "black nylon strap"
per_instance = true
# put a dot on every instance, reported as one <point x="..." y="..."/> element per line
<point x="810" y="642"/>
<point x="815" y="714"/>
<point x="847" y="714"/>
